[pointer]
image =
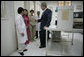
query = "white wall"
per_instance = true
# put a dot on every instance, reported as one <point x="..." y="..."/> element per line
<point x="8" y="31"/>
<point x="74" y="3"/>
<point x="30" y="5"/>
<point x="8" y="37"/>
<point x="52" y="5"/>
<point x="18" y="4"/>
<point x="38" y="8"/>
<point x="27" y="5"/>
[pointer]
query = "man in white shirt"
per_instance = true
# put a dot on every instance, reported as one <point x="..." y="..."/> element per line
<point x="37" y="25"/>
<point x="21" y="31"/>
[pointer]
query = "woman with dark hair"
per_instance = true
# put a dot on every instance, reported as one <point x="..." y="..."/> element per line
<point x="26" y="20"/>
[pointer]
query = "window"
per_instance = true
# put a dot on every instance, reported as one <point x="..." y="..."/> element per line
<point x="63" y="3"/>
<point x="68" y="3"/>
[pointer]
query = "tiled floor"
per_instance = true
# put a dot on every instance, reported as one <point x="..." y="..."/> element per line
<point x="56" y="48"/>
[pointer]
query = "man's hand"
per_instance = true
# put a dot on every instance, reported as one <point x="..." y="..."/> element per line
<point x="22" y="34"/>
<point x="44" y="27"/>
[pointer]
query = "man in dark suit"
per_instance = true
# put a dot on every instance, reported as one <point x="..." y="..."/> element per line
<point x="45" y="22"/>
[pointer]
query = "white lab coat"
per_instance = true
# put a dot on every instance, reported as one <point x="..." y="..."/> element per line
<point x="21" y="28"/>
<point x="37" y="24"/>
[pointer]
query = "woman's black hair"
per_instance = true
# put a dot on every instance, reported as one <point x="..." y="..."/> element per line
<point x="27" y="11"/>
<point x="20" y="9"/>
<point x="32" y="11"/>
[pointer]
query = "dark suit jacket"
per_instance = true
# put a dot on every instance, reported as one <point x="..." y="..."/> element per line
<point x="45" y="18"/>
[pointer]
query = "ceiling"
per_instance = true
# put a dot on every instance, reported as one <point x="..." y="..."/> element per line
<point x="49" y="1"/>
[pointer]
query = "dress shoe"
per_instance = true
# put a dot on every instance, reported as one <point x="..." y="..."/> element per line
<point x="42" y="47"/>
<point x="48" y="38"/>
<point x="21" y="53"/>
<point x="24" y="50"/>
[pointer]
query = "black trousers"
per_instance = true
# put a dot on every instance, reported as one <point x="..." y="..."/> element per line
<point x="43" y="37"/>
<point x="37" y="34"/>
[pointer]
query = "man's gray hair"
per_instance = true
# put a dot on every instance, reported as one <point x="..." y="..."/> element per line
<point x="44" y="4"/>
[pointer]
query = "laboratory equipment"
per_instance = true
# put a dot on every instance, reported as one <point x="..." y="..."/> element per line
<point x="56" y="36"/>
<point x="78" y="20"/>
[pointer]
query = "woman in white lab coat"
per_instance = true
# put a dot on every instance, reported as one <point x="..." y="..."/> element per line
<point x="38" y="24"/>
<point x="21" y="31"/>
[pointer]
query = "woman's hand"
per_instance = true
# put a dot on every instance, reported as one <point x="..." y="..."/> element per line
<point x="27" y="27"/>
<point x="36" y="21"/>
